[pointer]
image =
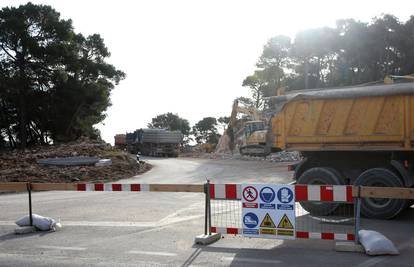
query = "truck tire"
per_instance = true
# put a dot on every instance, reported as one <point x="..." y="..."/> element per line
<point x="380" y="208"/>
<point x="320" y="176"/>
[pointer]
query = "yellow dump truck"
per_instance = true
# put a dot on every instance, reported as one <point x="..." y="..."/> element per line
<point x="354" y="135"/>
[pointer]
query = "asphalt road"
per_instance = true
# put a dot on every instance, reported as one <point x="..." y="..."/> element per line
<point x="157" y="229"/>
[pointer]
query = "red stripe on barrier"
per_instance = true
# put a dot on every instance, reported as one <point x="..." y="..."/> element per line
<point x="231" y="191"/>
<point x="135" y="187"/>
<point x="116" y="187"/>
<point x="212" y="192"/>
<point x="349" y="193"/>
<point x="81" y="187"/>
<point x="301" y="192"/>
<point x="326" y="193"/>
<point x="99" y="187"/>
<point x="302" y="234"/>
<point x="299" y="234"/>
<point x="232" y="231"/>
<point x="330" y="236"/>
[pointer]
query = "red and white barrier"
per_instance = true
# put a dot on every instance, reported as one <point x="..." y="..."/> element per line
<point x="299" y="234"/>
<point x="113" y="187"/>
<point x="337" y="193"/>
<point x="225" y="191"/>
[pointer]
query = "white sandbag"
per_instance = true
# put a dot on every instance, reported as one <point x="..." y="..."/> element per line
<point x="376" y="243"/>
<point x="40" y="222"/>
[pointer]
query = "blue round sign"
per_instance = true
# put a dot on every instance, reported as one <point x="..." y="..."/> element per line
<point x="285" y="195"/>
<point x="250" y="220"/>
<point x="267" y="194"/>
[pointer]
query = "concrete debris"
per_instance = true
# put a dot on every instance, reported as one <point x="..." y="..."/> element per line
<point x="103" y="162"/>
<point x="223" y="146"/>
<point x="69" y="161"/>
<point x="285" y="156"/>
<point x="346" y="246"/>
<point x="207" y="239"/>
<point x="274" y="157"/>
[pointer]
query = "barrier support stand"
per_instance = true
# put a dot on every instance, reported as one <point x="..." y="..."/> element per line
<point x="29" y="191"/>
<point x="208" y="198"/>
<point x="353" y="246"/>
<point x="357" y="210"/>
<point x="208" y="237"/>
<point x="206" y="225"/>
<point x="31" y="228"/>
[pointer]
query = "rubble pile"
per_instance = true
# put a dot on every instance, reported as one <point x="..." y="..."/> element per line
<point x="21" y="166"/>
<point x="283" y="156"/>
<point x="223" y="145"/>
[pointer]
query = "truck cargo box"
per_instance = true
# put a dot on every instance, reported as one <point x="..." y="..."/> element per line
<point x="375" y="118"/>
<point x="120" y="140"/>
<point x="159" y="136"/>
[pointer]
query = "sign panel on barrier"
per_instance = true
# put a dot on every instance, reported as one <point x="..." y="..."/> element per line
<point x="268" y="211"/>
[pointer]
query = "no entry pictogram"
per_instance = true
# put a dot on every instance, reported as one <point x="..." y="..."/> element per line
<point x="250" y="194"/>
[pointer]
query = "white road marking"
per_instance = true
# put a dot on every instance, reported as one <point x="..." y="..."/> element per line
<point x="89" y="223"/>
<point x="7" y="223"/>
<point x="153" y="253"/>
<point x="179" y="215"/>
<point x="62" y="248"/>
<point x="109" y="224"/>
<point x="251" y="260"/>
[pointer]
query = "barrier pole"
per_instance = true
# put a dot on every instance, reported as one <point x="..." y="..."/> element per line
<point x="209" y="207"/>
<point x="206" y="208"/>
<point x="357" y="211"/>
<point x="29" y="191"/>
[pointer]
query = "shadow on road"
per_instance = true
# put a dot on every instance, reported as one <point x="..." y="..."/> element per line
<point x="12" y="236"/>
<point x="314" y="252"/>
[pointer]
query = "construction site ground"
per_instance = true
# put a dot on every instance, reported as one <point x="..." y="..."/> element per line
<point x="158" y="229"/>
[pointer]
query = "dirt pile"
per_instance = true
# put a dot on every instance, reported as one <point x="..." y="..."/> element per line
<point x="21" y="166"/>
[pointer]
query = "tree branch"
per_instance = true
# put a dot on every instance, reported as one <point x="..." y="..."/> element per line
<point x="7" y="52"/>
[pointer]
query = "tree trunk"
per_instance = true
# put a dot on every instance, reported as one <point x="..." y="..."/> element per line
<point x="306" y="73"/>
<point x="23" y="122"/>
<point x="319" y="82"/>
<point x="12" y="142"/>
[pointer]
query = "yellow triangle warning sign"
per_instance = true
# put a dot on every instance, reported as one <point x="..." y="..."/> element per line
<point x="285" y="223"/>
<point x="268" y="222"/>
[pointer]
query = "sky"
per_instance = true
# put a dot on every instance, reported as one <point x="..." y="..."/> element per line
<point x="190" y="57"/>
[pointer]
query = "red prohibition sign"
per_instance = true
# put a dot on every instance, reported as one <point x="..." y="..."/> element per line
<point x="250" y="193"/>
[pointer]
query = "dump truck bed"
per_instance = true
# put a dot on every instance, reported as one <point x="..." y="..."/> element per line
<point x="160" y="136"/>
<point x="374" y="118"/>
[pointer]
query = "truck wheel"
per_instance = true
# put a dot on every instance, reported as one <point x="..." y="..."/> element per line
<point x="380" y="208"/>
<point x="320" y="176"/>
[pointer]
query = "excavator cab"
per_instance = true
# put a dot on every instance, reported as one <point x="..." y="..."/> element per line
<point x="254" y="141"/>
<point x="253" y="126"/>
